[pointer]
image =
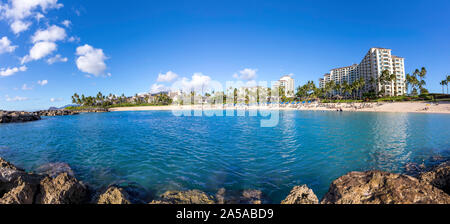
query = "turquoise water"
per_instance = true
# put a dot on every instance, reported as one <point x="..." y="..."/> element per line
<point x="158" y="151"/>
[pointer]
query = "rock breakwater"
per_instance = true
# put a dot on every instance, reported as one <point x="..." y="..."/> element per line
<point x="56" y="184"/>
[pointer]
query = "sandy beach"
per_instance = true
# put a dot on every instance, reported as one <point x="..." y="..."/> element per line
<point x="397" y="107"/>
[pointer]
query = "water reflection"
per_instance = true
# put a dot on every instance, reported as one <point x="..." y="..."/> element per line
<point x="159" y="151"/>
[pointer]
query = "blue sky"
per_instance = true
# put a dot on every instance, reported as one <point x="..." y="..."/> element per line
<point x="122" y="46"/>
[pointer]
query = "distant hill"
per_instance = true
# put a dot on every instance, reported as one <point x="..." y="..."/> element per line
<point x="64" y="107"/>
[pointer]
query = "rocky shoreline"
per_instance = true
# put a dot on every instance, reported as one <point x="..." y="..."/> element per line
<point x="62" y="112"/>
<point x="56" y="184"/>
<point x="54" y="113"/>
<point x="22" y="116"/>
<point x="18" y="116"/>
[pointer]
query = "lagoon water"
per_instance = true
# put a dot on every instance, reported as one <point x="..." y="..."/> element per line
<point x="158" y="151"/>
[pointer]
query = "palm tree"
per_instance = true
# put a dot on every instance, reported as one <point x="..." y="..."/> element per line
<point x="361" y="85"/>
<point x="448" y="81"/>
<point x="372" y="82"/>
<point x="393" y="80"/>
<point x="347" y="88"/>
<point x="421" y="83"/>
<point x="443" y="83"/>
<point x="383" y="79"/>
<point x="408" y="82"/>
<point x="355" y="86"/>
<point x="329" y="88"/>
<point x="338" y="88"/>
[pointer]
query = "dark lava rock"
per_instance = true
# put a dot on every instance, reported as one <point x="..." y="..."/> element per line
<point x="17" y="116"/>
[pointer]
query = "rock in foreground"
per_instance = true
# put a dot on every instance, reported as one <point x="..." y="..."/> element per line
<point x="63" y="189"/>
<point x="376" y="187"/>
<point x="184" y="197"/>
<point x="438" y="177"/>
<point x="20" y="187"/>
<point x="301" y="195"/>
<point x="114" y="195"/>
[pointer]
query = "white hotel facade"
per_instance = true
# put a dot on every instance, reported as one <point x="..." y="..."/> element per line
<point x="374" y="63"/>
<point x="288" y="83"/>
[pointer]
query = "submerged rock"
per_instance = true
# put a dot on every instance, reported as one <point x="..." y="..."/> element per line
<point x="63" y="189"/>
<point x="244" y="197"/>
<point x="414" y="169"/>
<point x="438" y="177"/>
<point x="54" y="169"/>
<point x="301" y="195"/>
<point x="251" y="197"/>
<point x="114" y="195"/>
<point x="377" y="187"/>
<point x="184" y="197"/>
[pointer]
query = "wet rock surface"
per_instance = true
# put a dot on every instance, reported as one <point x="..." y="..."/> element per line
<point x="249" y="196"/>
<point x="114" y="195"/>
<point x="17" y="116"/>
<point x="301" y="195"/>
<point x="377" y="187"/>
<point x="184" y="197"/>
<point x="57" y="186"/>
<point x="63" y="189"/>
<point x="20" y="187"/>
<point x="439" y="177"/>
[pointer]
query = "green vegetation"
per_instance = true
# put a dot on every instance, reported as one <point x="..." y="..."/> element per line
<point x="353" y="92"/>
<point x="445" y="83"/>
<point x="110" y="101"/>
<point x="359" y="91"/>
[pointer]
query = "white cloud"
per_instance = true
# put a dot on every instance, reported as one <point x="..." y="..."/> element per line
<point x="157" y="88"/>
<point x="15" y="99"/>
<point x="16" y="11"/>
<point x="168" y="77"/>
<point x="19" y="26"/>
<point x="11" y="71"/>
<point x="51" y="34"/>
<point x="91" y="60"/>
<point x="39" y="16"/>
<point x="39" y="50"/>
<point x="66" y="23"/>
<point x="5" y="45"/>
<point x="26" y="87"/>
<point x="198" y="82"/>
<point x="246" y="74"/>
<point x="43" y="82"/>
<point x="56" y="58"/>
<point x="56" y="100"/>
<point x="74" y="39"/>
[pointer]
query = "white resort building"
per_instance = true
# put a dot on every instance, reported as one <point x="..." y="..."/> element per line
<point x="288" y="83"/>
<point x="373" y="64"/>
